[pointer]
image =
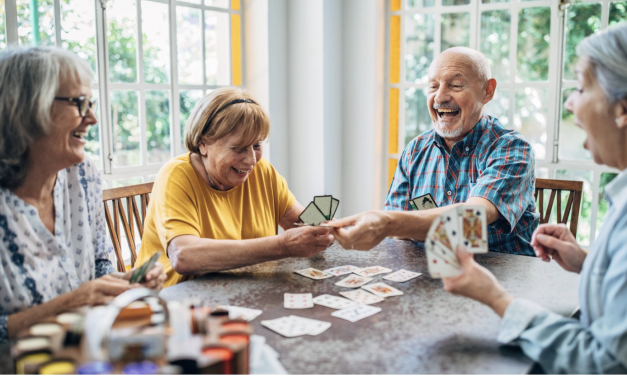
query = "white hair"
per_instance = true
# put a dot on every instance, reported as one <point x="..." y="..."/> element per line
<point x="29" y="80"/>
<point x="607" y="52"/>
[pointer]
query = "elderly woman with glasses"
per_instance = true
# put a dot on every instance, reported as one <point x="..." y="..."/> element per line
<point x="219" y="206"/>
<point x="597" y="343"/>
<point x="53" y="243"/>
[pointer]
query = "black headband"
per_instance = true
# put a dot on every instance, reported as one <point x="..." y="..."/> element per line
<point x="236" y="101"/>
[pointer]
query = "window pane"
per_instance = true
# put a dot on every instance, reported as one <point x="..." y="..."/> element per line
<point x="417" y="118"/>
<point x="618" y="12"/>
<point x="498" y="107"/>
<point x="41" y="20"/>
<point x="571" y="136"/>
<point x="419" y="46"/>
<point x="583" y="20"/>
<point x="495" y="26"/>
<point x="158" y="125"/>
<point x="542" y="173"/>
<point x="156" y="42"/>
<point x="455" y="2"/>
<point x="585" y="214"/>
<point x="123" y="183"/>
<point x="125" y="119"/>
<point x="189" y="41"/>
<point x="455" y="28"/>
<point x="534" y="25"/>
<point x="78" y="30"/>
<point x="420" y="3"/>
<point x="122" y="41"/>
<point x="92" y="140"/>
<point x="217" y="51"/>
<point x="494" y="1"/>
<point x="188" y="101"/>
<point x="530" y="118"/>
<point x="192" y="1"/>
<point x="604" y="205"/>
<point x="217" y="3"/>
<point x="3" y="39"/>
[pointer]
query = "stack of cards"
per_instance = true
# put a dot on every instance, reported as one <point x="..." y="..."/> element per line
<point x="423" y="202"/>
<point x="294" y="326"/>
<point x="321" y="209"/>
<point x="464" y="225"/>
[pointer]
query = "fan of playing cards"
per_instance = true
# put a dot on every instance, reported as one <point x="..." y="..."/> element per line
<point x="321" y="209"/>
<point x="464" y="225"/>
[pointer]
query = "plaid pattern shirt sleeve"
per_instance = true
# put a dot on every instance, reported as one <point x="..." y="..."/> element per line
<point x="400" y="189"/>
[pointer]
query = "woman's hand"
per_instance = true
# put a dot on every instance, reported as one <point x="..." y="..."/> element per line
<point x="556" y="241"/>
<point x="155" y="277"/>
<point x="305" y="241"/>
<point x="100" y="290"/>
<point x="476" y="282"/>
<point x="369" y="229"/>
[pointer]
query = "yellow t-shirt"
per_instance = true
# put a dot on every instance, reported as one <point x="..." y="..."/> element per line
<point x="182" y="203"/>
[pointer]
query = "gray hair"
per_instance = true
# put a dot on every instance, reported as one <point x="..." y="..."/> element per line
<point x="607" y="52"/>
<point x="476" y="59"/>
<point x="29" y="80"/>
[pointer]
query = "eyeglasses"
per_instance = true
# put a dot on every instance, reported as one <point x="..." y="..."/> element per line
<point x="82" y="103"/>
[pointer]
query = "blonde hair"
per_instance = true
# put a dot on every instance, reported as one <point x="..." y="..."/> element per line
<point x="225" y="117"/>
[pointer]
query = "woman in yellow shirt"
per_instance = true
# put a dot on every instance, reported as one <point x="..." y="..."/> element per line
<point x="218" y="206"/>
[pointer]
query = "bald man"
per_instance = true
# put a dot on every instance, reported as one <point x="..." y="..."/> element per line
<point x="468" y="157"/>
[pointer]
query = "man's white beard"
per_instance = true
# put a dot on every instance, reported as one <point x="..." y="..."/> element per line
<point x="449" y="134"/>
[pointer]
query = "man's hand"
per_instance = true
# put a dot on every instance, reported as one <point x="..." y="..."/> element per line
<point x="305" y="241"/>
<point x="556" y="241"/>
<point x="369" y="229"/>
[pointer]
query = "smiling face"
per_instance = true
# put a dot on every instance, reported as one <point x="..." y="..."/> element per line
<point x="227" y="163"/>
<point x="457" y="93"/>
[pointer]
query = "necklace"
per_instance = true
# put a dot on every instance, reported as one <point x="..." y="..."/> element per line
<point x="213" y="184"/>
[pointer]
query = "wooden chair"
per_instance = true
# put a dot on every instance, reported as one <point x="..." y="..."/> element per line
<point x="130" y="220"/>
<point x="573" y="202"/>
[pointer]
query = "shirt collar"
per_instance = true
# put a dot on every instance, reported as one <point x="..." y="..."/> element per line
<point x="616" y="190"/>
<point x="470" y="141"/>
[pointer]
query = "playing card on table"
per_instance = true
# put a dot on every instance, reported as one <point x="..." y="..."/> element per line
<point x="383" y="290"/>
<point x="313" y="273"/>
<point x="312" y="215"/>
<point x="353" y="281"/>
<point x="423" y="202"/>
<point x="356" y="313"/>
<point x="247" y="314"/>
<point x="334" y="302"/>
<point x="401" y="276"/>
<point x="287" y="326"/>
<point x="473" y="229"/>
<point x="361" y="297"/>
<point x="297" y="301"/>
<point x="324" y="203"/>
<point x="341" y="270"/>
<point x="314" y="327"/>
<point x="372" y="270"/>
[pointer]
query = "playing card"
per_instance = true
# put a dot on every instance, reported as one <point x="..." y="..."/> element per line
<point x="334" y="302"/>
<point x="446" y="231"/>
<point x="314" y="273"/>
<point x="438" y="266"/>
<point x="287" y="326"/>
<point x="139" y="275"/>
<point x="312" y="215"/>
<point x="401" y="276"/>
<point x="372" y="270"/>
<point x="356" y="313"/>
<point x="247" y="314"/>
<point x="361" y="296"/>
<point x="341" y="270"/>
<point x="423" y="202"/>
<point x="353" y="281"/>
<point x="383" y="290"/>
<point x="473" y="228"/>
<point x="315" y="327"/>
<point x="297" y="301"/>
<point x="334" y="204"/>
<point x="324" y="205"/>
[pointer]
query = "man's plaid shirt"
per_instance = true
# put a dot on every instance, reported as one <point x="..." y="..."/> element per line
<point x="491" y="162"/>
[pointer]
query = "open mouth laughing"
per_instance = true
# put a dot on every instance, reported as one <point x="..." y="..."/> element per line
<point x="447" y="113"/>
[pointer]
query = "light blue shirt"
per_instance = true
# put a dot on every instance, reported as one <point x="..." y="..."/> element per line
<point x="598" y="342"/>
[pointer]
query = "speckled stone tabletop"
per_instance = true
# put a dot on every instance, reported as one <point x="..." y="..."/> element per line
<point x="426" y="330"/>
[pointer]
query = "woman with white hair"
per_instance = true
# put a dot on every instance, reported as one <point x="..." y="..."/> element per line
<point x="53" y="247"/>
<point x="597" y="343"/>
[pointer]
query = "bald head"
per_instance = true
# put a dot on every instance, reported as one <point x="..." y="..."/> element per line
<point x="473" y="61"/>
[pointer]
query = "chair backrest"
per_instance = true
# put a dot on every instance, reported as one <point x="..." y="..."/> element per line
<point x="573" y="202"/>
<point x="131" y="220"/>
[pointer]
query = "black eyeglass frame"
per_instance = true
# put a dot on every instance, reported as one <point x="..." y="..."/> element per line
<point x="79" y="101"/>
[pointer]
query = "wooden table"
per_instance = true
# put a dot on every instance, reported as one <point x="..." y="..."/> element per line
<point x="427" y="330"/>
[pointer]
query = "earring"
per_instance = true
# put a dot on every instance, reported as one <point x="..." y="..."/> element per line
<point x="617" y="121"/>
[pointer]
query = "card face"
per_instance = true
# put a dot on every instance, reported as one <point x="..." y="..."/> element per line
<point x="402" y="276"/>
<point x="324" y="205"/>
<point x="356" y="313"/>
<point x="424" y="202"/>
<point x="372" y="270"/>
<point x="312" y="215"/>
<point x="473" y="228"/>
<point x="438" y="266"/>
<point x="361" y="296"/>
<point x="314" y="273"/>
<point x="314" y="327"/>
<point x="353" y="281"/>
<point x="334" y="204"/>
<point x="341" y="270"/>
<point x="139" y="275"/>
<point x="287" y="327"/>
<point x="332" y="301"/>
<point x="413" y="206"/>
<point x="297" y="301"/>
<point x="381" y="289"/>
<point x="247" y="314"/>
